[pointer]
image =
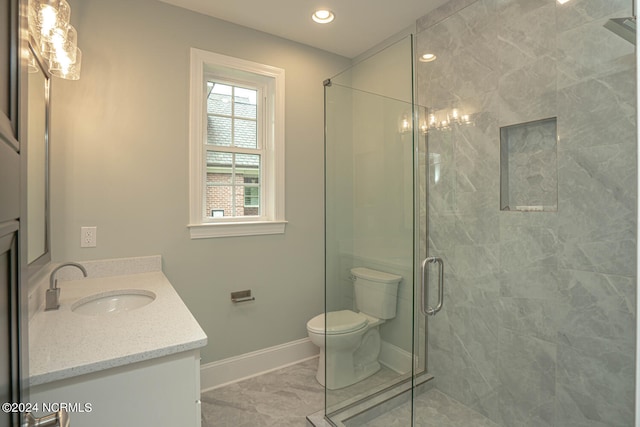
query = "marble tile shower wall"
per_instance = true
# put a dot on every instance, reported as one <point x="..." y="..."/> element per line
<point x="538" y="327"/>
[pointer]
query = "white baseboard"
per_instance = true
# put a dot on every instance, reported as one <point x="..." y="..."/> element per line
<point x="395" y="358"/>
<point x="237" y="368"/>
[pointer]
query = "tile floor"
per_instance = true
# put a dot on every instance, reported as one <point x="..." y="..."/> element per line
<point x="280" y="398"/>
<point x="285" y="397"/>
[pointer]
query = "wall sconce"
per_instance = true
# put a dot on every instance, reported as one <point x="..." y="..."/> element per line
<point x="444" y="119"/>
<point x="436" y="120"/>
<point x="405" y="125"/>
<point x="54" y="38"/>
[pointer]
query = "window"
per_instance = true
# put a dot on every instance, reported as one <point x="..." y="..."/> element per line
<point x="236" y="147"/>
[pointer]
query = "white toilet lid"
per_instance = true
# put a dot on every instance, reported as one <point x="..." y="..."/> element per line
<point x="338" y="322"/>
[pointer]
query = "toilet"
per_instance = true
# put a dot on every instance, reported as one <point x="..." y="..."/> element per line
<point x="353" y="338"/>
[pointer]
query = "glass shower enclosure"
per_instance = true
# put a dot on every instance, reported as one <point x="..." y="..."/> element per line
<point x="371" y="218"/>
<point x="502" y="138"/>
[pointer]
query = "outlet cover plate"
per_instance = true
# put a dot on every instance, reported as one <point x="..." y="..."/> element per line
<point x="88" y="237"/>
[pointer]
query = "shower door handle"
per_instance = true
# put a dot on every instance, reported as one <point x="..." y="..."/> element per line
<point x="424" y="294"/>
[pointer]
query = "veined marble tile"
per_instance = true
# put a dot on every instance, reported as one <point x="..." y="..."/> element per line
<point x="598" y="111"/>
<point x="529" y="219"/>
<point x="578" y="12"/>
<point x="467" y="61"/>
<point x="527" y="368"/>
<point x="590" y="51"/>
<point x="595" y="378"/>
<point x="527" y="247"/>
<point x="534" y="317"/>
<point x="597" y="192"/>
<point x="476" y="261"/>
<point x="465" y="226"/>
<point x="432" y="408"/>
<point x="597" y="209"/>
<point x="600" y="305"/>
<point x="477" y="161"/>
<point x="529" y="93"/>
<point x="436" y="16"/>
<point x="588" y="256"/>
<point x="283" y="398"/>
<point x="440" y="337"/>
<point x="526" y="32"/>
<point x="539" y="283"/>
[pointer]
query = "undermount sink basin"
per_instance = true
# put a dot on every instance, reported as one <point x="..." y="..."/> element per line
<point x="116" y="301"/>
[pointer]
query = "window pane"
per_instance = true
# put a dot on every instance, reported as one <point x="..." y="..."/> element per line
<point x="219" y="201"/>
<point x="245" y="134"/>
<point x="218" y="131"/>
<point x="233" y="185"/>
<point x="219" y="99"/>
<point x="245" y="103"/>
<point x="250" y="163"/>
<point x="219" y="160"/>
<point x="251" y="201"/>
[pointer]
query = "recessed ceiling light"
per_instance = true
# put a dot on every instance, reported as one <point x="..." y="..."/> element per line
<point x="323" y="16"/>
<point x="427" y="57"/>
<point x="562" y="1"/>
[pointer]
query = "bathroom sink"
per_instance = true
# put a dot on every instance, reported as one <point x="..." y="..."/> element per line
<point x="116" y="301"/>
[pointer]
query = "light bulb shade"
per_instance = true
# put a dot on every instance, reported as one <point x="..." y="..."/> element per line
<point x="62" y="66"/>
<point x="64" y="42"/>
<point x="32" y="19"/>
<point x="50" y="17"/>
<point x="60" y="8"/>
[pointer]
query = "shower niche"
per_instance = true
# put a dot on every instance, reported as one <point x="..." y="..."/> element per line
<point x="528" y="166"/>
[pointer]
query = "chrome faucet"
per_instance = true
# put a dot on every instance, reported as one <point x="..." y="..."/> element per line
<point x="53" y="293"/>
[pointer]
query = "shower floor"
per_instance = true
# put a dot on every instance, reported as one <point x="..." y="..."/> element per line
<point x="433" y="409"/>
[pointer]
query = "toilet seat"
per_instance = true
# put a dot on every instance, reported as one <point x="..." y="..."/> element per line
<point x="338" y="322"/>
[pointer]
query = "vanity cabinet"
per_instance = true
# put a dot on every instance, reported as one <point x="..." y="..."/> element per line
<point x="161" y="392"/>
<point x="138" y="367"/>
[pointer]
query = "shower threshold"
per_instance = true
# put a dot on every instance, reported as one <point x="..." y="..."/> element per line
<point x="362" y="410"/>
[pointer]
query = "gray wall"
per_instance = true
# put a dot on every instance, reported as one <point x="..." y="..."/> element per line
<point x="120" y="162"/>
<point x="539" y="321"/>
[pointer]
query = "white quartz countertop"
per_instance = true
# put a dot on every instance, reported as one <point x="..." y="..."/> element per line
<point x="64" y="344"/>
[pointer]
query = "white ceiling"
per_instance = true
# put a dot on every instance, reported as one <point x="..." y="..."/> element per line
<point x="359" y="24"/>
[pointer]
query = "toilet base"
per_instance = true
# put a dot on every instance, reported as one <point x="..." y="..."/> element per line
<point x="344" y="367"/>
<point x="335" y="383"/>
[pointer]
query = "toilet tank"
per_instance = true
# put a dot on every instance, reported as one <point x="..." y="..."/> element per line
<point x="376" y="292"/>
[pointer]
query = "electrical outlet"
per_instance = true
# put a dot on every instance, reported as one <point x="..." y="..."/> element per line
<point x="88" y="237"/>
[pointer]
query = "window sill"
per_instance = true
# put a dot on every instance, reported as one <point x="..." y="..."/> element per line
<point x="236" y="229"/>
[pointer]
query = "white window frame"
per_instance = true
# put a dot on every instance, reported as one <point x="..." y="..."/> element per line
<point x="205" y="66"/>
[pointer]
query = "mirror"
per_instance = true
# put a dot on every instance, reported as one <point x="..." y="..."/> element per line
<point x="37" y="165"/>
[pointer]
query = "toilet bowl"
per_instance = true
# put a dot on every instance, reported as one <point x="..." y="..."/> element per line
<point x="354" y="343"/>
<point x="349" y="341"/>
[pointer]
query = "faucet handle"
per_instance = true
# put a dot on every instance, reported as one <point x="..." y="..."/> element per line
<point x="57" y="419"/>
<point x="51" y="299"/>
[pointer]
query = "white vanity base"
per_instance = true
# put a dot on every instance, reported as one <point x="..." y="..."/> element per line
<point x="160" y="392"/>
